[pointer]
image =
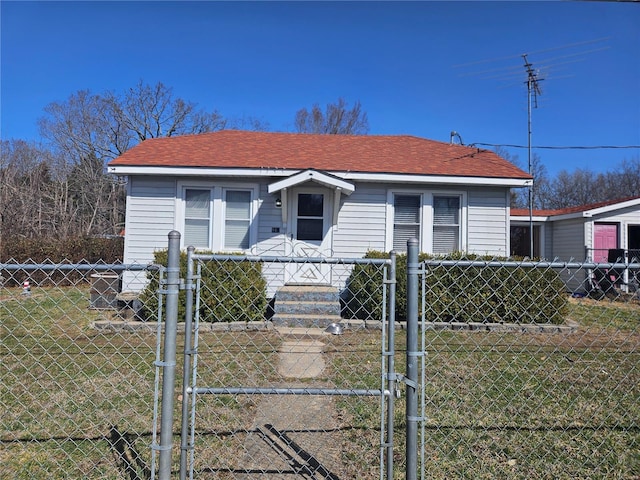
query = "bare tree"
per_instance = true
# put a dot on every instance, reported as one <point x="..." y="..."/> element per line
<point x="83" y="125"/>
<point x="88" y="130"/>
<point x="580" y="187"/>
<point x="30" y="191"/>
<point x="336" y="119"/>
<point x="541" y="182"/>
<point x="146" y="111"/>
<point x="572" y="189"/>
<point x="625" y="182"/>
<point x="108" y="125"/>
<point x="247" y="122"/>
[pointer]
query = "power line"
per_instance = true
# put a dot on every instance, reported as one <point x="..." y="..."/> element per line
<point x="556" y="147"/>
<point x="511" y="57"/>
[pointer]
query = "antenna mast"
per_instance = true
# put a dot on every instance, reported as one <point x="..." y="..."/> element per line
<point x="533" y="88"/>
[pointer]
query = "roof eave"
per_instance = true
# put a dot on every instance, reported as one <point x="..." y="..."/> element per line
<point x="614" y="206"/>
<point x="410" y="178"/>
<point x="525" y="218"/>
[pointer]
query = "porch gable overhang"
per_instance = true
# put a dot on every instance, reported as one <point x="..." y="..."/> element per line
<point x="338" y="185"/>
<point x="315" y="176"/>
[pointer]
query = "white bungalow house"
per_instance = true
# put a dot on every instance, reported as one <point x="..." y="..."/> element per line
<point x="287" y="194"/>
<point x="600" y="233"/>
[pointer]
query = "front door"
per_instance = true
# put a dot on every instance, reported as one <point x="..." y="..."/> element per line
<point x="605" y="237"/>
<point x="310" y="234"/>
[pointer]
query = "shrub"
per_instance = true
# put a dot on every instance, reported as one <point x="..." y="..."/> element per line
<point x="55" y="250"/>
<point x="230" y="290"/>
<point x="465" y="294"/>
<point x="73" y="250"/>
<point x="363" y="292"/>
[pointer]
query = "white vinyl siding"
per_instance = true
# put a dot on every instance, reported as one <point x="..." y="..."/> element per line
<point x="488" y="222"/>
<point x="364" y="221"/>
<point x="270" y="228"/>
<point x="360" y="224"/>
<point x="149" y="219"/>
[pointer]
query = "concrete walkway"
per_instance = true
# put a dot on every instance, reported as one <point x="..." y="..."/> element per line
<point x="295" y="436"/>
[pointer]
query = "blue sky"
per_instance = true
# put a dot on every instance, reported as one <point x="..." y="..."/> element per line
<point x="418" y="68"/>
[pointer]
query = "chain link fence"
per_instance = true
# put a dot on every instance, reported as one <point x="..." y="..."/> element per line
<point x="520" y="379"/>
<point x="76" y="395"/>
<point x="525" y="370"/>
<point x="299" y="370"/>
<point x="300" y="395"/>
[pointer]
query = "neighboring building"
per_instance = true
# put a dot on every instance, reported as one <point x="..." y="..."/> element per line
<point x="585" y="233"/>
<point x="287" y="194"/>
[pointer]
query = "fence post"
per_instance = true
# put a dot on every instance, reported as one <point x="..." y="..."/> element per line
<point x="186" y="367"/>
<point x="412" y="359"/>
<point x="169" y="358"/>
<point x="391" y="368"/>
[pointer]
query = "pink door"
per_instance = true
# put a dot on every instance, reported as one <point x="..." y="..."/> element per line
<point x="605" y="236"/>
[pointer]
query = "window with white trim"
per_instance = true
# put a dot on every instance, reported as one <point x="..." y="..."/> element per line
<point x="446" y="224"/>
<point x="310" y="217"/>
<point x="237" y="219"/>
<point x="197" y="217"/>
<point x="406" y="219"/>
<point x="217" y="218"/>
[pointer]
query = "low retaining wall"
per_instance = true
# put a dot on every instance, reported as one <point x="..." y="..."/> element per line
<point x="151" y="327"/>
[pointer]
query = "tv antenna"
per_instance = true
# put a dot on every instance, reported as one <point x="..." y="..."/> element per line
<point x="533" y="90"/>
<point x="512" y="75"/>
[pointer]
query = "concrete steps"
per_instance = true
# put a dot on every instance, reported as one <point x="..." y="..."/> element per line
<point x="306" y="306"/>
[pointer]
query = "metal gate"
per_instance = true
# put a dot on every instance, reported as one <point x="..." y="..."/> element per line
<point x="280" y="379"/>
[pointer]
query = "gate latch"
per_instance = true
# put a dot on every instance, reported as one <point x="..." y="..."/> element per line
<point x="398" y="377"/>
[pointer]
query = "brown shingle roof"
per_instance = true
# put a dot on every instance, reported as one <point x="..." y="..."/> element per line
<point x="517" y="212"/>
<point x="356" y="153"/>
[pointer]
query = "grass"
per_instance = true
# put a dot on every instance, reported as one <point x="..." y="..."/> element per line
<point x="497" y="405"/>
<point x="536" y="406"/>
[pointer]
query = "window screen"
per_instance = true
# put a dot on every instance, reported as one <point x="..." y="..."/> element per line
<point x="446" y="224"/>
<point x="197" y="217"/>
<point x="237" y="219"/>
<point x="406" y="220"/>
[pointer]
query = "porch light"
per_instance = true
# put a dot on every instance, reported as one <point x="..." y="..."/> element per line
<point x="278" y="203"/>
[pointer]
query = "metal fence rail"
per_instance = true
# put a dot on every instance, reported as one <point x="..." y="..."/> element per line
<point x="554" y="393"/>
<point x="291" y="398"/>
<point x="524" y="370"/>
<point x="76" y="395"/>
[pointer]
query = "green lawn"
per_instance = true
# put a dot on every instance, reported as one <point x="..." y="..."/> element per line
<point x="497" y="405"/>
